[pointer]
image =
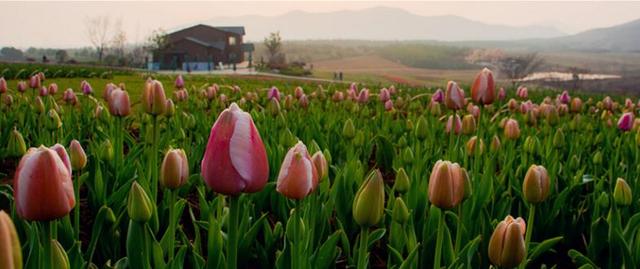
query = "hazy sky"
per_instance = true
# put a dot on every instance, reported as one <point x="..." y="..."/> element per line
<point x="61" y="24"/>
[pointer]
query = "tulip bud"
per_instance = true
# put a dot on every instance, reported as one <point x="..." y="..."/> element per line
<point x="622" y="193"/>
<point x="502" y="94"/>
<point x="86" y="87"/>
<point x="446" y="185"/>
<point x="401" y="183"/>
<point x="384" y="95"/>
<point x="10" y="250"/>
<point x="558" y="138"/>
<point x="298" y="175"/>
<point x="53" y="120"/>
<point x="174" y="170"/>
<point x="139" y="206"/>
<point x="483" y="87"/>
<point x="468" y="124"/>
<point x="106" y="151"/>
<point x="320" y="162"/>
<point x="303" y="101"/>
<point x="454" y="96"/>
<point x="471" y="146"/>
<point x="368" y="204"/>
<point x="39" y="105"/>
<point x="453" y="124"/>
<point x="78" y="157"/>
<point x="363" y="96"/>
<point x="434" y="109"/>
<point x="576" y="105"/>
<point x="3" y="85"/>
<point x="495" y="143"/>
<point x="170" y="109"/>
<point x="530" y="144"/>
<point x="506" y="246"/>
<point x="522" y="92"/>
<point x="388" y="105"/>
<point x="511" y="129"/>
<point x="154" y="100"/>
<point x="400" y="213"/>
<point x="407" y="155"/>
<point x="8" y="100"/>
<point x="16" y="146"/>
<point x="43" y="91"/>
<point x="22" y="86"/>
<point x="274" y="106"/>
<point x="437" y="96"/>
<point x="235" y="159"/>
<point x="59" y="257"/>
<point x="179" y="82"/>
<point x="422" y="128"/>
<point x="119" y="104"/>
<point x="34" y="82"/>
<point x="468" y="187"/>
<point x="349" y="131"/>
<point x="535" y="187"/>
<point x="625" y="122"/>
<point x="42" y="184"/>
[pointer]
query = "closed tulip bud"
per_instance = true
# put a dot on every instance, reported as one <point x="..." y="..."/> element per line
<point x="22" y="86"/>
<point x="454" y="124"/>
<point x="16" y="146"/>
<point x="53" y="120"/>
<point x="512" y="105"/>
<point x="454" y="96"/>
<point x="564" y="97"/>
<point x="298" y="175"/>
<point x="10" y="250"/>
<point x="401" y="183"/>
<point x="86" y="87"/>
<point x="288" y="102"/>
<point x="388" y="105"/>
<point x="139" y="206"/>
<point x="273" y="93"/>
<point x="511" y="129"/>
<point x="69" y="97"/>
<point x="3" y="85"/>
<point x="106" y="94"/>
<point x="8" y="100"/>
<point x="576" y="105"/>
<point x="304" y="101"/>
<point x="434" y="108"/>
<point x="170" y="109"/>
<point x="368" y="204"/>
<point x="106" y="151"/>
<point x="274" y="106"/>
<point x="471" y="146"/>
<point x="384" y="95"/>
<point x="42" y="184"/>
<point x="349" y="131"/>
<point x="558" y="138"/>
<point x="363" y="96"/>
<point x="437" y="96"/>
<point x="119" y="104"/>
<point x="59" y="257"/>
<point x="400" y="213"/>
<point x="174" y="170"/>
<point x="39" y="105"/>
<point x="34" y="82"/>
<point x="607" y="103"/>
<point x="507" y="247"/>
<point x="53" y="88"/>
<point x="536" y="185"/>
<point x="468" y="187"/>
<point x="625" y="123"/>
<point x="468" y="124"/>
<point x="321" y="164"/>
<point x="446" y="185"/>
<point x="235" y="159"/>
<point x="338" y="96"/>
<point x="495" y="143"/>
<point x="622" y="193"/>
<point x="78" y="157"/>
<point x="299" y="92"/>
<point x="154" y="100"/>
<point x="179" y="83"/>
<point x="597" y="158"/>
<point x="407" y="155"/>
<point x="483" y="87"/>
<point x="422" y="128"/>
<point x="43" y="91"/>
<point x="502" y="94"/>
<point x="522" y="92"/>
<point x="530" y="144"/>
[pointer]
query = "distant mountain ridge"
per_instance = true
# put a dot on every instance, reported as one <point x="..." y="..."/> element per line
<point x="380" y="23"/>
<point x="624" y="37"/>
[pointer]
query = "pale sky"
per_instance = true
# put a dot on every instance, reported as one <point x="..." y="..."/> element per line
<point x="61" y="24"/>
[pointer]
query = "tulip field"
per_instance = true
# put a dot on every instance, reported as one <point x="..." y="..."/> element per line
<point x="167" y="171"/>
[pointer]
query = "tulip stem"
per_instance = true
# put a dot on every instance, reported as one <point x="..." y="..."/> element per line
<point x="458" y="230"/>
<point x="436" y="260"/>
<point x="48" y="227"/>
<point x="118" y="147"/>
<point x="172" y="223"/>
<point x="154" y="159"/>
<point x="76" y="215"/>
<point x="234" y="214"/>
<point x="527" y="237"/>
<point x="362" y="252"/>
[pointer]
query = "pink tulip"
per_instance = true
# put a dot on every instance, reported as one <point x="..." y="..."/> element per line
<point x="119" y="104"/>
<point x="363" y="96"/>
<point x="298" y="176"/>
<point x="179" y="82"/>
<point x="22" y="86"/>
<point x="483" y="87"/>
<point x="565" y="98"/>
<point x="298" y="92"/>
<point x="234" y="89"/>
<point x="42" y="184"/>
<point x="384" y="95"/>
<point x="438" y="96"/>
<point x="502" y="94"/>
<point x="69" y="97"/>
<point x="628" y="104"/>
<point x="107" y="91"/>
<point x="273" y="93"/>
<point x="304" y="101"/>
<point x="86" y="87"/>
<point x="453" y="123"/>
<point x="454" y="96"/>
<point x="475" y="111"/>
<point x="388" y="105"/>
<point x="154" y="99"/>
<point x="34" y="82"/>
<point x="3" y="85"/>
<point x="625" y="123"/>
<point x="235" y="159"/>
<point x="43" y="91"/>
<point x="522" y="92"/>
<point x="337" y="96"/>
<point x="392" y="90"/>
<point x="53" y="88"/>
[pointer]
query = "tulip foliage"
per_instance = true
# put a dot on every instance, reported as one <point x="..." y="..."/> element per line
<point x="231" y="172"/>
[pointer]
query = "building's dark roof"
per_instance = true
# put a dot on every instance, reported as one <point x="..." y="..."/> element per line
<point x="216" y="45"/>
<point x="232" y="29"/>
<point x="248" y="47"/>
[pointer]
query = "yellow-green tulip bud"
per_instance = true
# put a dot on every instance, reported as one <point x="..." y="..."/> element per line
<point x="400" y="213"/>
<point x="402" y="182"/>
<point x="622" y="193"/>
<point x="422" y="128"/>
<point x="16" y="146"/>
<point x="468" y="187"/>
<point x="53" y="120"/>
<point x="471" y="146"/>
<point x="59" y="257"/>
<point x="106" y="151"/>
<point x="10" y="251"/>
<point x="139" y="206"/>
<point x="78" y="157"/>
<point x="597" y="158"/>
<point x="495" y="143"/>
<point x="407" y="155"/>
<point x="368" y="204"/>
<point x="468" y="124"/>
<point x="39" y="105"/>
<point x="531" y="144"/>
<point x="349" y="131"/>
<point x="558" y="138"/>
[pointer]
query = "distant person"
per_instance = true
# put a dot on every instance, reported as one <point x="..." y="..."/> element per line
<point x="44" y="59"/>
<point x="340" y="76"/>
<point x="234" y="67"/>
<point x="335" y="76"/>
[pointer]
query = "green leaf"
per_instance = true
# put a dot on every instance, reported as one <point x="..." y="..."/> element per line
<point x="409" y="261"/>
<point x="543" y="247"/>
<point x="325" y="256"/>
<point x="580" y="260"/>
<point x="376" y="235"/>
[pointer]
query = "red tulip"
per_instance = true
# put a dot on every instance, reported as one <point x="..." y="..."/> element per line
<point x="43" y="188"/>
<point x="483" y="88"/>
<point x="119" y="104"/>
<point x="298" y="175"/>
<point x="564" y="97"/>
<point x="502" y="94"/>
<point x="235" y="159"/>
<point x="454" y="96"/>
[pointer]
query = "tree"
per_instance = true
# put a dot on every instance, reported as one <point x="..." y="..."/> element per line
<point x="519" y="66"/>
<point x="119" y="40"/>
<point x="273" y="43"/>
<point x="97" y="30"/>
<point x="11" y="54"/>
<point x="61" y="56"/>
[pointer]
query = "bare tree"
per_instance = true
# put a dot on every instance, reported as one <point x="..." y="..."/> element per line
<point x="518" y="67"/>
<point x="97" y="29"/>
<point x="273" y="43"/>
<point x="119" y="39"/>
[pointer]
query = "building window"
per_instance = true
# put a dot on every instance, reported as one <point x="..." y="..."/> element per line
<point x="232" y="40"/>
